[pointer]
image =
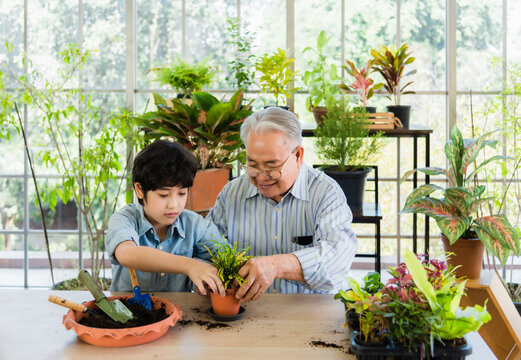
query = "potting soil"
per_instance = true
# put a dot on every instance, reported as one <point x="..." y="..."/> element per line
<point x="142" y="317"/>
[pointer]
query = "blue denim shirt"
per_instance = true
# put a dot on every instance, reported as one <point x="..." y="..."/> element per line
<point x="184" y="237"/>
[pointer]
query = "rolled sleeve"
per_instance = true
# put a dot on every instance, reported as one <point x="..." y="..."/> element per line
<point x="326" y="264"/>
<point x="121" y="228"/>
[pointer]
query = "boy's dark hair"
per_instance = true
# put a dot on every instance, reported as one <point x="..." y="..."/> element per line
<point x="163" y="164"/>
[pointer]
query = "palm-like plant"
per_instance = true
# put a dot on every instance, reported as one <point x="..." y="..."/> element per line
<point x="456" y="213"/>
<point x="390" y="63"/>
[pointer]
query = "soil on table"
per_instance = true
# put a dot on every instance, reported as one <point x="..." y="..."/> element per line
<point x="142" y="317"/>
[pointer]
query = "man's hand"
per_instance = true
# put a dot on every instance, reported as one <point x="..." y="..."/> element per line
<point x="204" y="276"/>
<point x="259" y="273"/>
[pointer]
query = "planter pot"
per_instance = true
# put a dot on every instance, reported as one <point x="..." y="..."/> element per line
<point x="353" y="320"/>
<point x="225" y="306"/>
<point x="368" y="109"/>
<point x="319" y="112"/>
<point x="207" y="185"/>
<point x="123" y="337"/>
<point x="391" y="350"/>
<point x="517" y="304"/>
<point x="352" y="183"/>
<point x="468" y="255"/>
<point x="402" y="112"/>
<point x="512" y="287"/>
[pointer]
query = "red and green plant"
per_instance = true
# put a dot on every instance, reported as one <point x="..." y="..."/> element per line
<point x="391" y="63"/>
<point x="456" y="213"/>
<point x="363" y="85"/>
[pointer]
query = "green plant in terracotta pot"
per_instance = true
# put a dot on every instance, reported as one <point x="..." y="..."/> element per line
<point x="209" y="129"/>
<point x="321" y="77"/>
<point x="464" y="231"/>
<point x="276" y="75"/>
<point x="391" y="64"/>
<point x="228" y="260"/>
<point x="363" y="85"/>
<point x="344" y="143"/>
<point x="184" y="77"/>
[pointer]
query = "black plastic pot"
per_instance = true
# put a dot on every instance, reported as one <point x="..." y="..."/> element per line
<point x="352" y="183"/>
<point x="396" y="351"/>
<point x="402" y="112"/>
<point x="285" y="107"/>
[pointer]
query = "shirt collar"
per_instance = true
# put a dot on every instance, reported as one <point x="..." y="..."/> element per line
<point x="298" y="190"/>
<point x="145" y="225"/>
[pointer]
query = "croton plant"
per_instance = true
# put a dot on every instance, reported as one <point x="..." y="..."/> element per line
<point x="456" y="213"/>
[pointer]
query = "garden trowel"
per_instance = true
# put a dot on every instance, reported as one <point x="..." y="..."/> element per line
<point x="115" y="309"/>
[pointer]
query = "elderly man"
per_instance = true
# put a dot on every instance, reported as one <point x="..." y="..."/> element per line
<point x="294" y="218"/>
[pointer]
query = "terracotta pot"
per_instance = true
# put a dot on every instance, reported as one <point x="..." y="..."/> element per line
<point x="225" y="306"/>
<point x="123" y="337"/>
<point x="207" y="185"/>
<point x="468" y="253"/>
<point x="318" y="113"/>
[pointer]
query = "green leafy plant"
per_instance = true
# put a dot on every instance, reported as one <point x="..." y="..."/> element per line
<point x="228" y="260"/>
<point x="183" y="76"/>
<point x="276" y="75"/>
<point x="363" y="85"/>
<point x="447" y="322"/>
<point x="240" y="69"/>
<point x="208" y="128"/>
<point x="88" y="146"/>
<point x="455" y="213"/>
<point x="391" y="63"/>
<point x="321" y="78"/>
<point x="343" y="137"/>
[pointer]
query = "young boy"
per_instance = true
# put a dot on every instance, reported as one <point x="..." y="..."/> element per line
<point x="156" y="236"/>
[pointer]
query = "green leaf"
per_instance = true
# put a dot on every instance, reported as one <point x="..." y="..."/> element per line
<point x="420" y="192"/>
<point x="419" y="276"/>
<point x="498" y="235"/>
<point x="453" y="226"/>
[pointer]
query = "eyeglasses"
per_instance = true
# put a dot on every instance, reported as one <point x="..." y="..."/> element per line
<point x="271" y="173"/>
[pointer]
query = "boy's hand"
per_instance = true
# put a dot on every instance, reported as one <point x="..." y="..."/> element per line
<point x="204" y="276"/>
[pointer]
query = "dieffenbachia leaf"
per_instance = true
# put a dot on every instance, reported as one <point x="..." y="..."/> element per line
<point x="498" y="235"/>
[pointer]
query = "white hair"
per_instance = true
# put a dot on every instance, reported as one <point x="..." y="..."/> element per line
<point x="273" y="119"/>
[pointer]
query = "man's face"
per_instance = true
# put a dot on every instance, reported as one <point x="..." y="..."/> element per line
<point x="273" y="150"/>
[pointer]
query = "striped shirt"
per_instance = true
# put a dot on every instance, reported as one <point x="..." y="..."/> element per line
<point x="312" y="221"/>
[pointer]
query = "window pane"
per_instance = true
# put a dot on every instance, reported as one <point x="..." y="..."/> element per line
<point x="104" y="31"/>
<point x="268" y="21"/>
<point x="11" y="28"/>
<point x="158" y="36"/>
<point x="11" y="260"/>
<point x="479" y="37"/>
<point x="423" y="28"/>
<point x="11" y="207"/>
<point x="513" y="31"/>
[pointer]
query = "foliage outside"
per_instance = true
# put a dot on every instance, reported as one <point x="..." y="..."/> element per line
<point x="418" y="305"/>
<point x="86" y="146"/>
<point x="208" y="128"/>
<point x="228" y="260"/>
<point x="456" y="212"/>
<point x="240" y="69"/>
<point x="276" y="75"/>
<point x="343" y="137"/>
<point x="391" y="63"/>
<point x="321" y="78"/>
<point x="183" y="76"/>
<point x="363" y="85"/>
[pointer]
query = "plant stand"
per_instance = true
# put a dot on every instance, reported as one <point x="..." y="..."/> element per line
<point x="503" y="333"/>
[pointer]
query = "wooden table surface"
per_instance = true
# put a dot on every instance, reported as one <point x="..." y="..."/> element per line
<point x="276" y="326"/>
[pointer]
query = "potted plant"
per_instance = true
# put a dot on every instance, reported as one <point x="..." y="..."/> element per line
<point x="276" y="75"/>
<point x="344" y="142"/>
<point x="419" y="310"/>
<point x="184" y="77"/>
<point x="363" y="85"/>
<point x="228" y="260"/>
<point x="391" y="63"/>
<point x="320" y="78"/>
<point x="240" y="70"/>
<point x="83" y="146"/>
<point x="464" y="231"/>
<point x="209" y="129"/>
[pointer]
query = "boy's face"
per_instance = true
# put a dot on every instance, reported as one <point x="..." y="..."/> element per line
<point x="162" y="206"/>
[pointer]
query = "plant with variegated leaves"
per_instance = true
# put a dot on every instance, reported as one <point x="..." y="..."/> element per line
<point x="457" y="212"/>
<point x="363" y="85"/>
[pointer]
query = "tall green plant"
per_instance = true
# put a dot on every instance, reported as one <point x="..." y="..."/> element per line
<point x="276" y="75"/>
<point x="87" y="144"/>
<point x="240" y="69"/>
<point x="456" y="212"/>
<point x="321" y="77"/>
<point x="343" y="137"/>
